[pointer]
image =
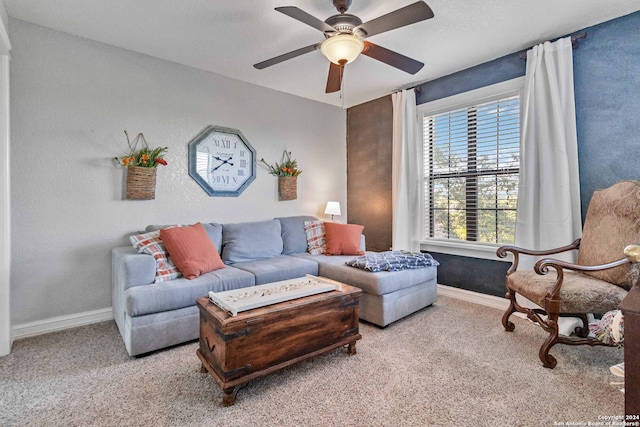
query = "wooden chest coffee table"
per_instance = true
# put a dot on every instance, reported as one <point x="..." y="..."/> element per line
<point x="237" y="349"/>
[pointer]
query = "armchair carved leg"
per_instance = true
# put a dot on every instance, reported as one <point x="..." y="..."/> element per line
<point x="508" y="325"/>
<point x="548" y="322"/>
<point x="583" y="331"/>
<point x="551" y="326"/>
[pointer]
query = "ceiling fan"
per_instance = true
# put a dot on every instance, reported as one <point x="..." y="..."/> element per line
<point x="344" y="38"/>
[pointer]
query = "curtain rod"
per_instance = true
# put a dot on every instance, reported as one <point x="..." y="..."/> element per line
<point x="523" y="55"/>
<point x="417" y="88"/>
<point x="574" y="42"/>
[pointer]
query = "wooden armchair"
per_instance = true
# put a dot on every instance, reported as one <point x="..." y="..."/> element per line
<point x="596" y="283"/>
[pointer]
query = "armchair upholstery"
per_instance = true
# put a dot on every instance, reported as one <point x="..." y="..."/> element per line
<point x="596" y="283"/>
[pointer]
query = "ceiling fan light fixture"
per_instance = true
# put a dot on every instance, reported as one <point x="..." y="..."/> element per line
<point x="341" y="48"/>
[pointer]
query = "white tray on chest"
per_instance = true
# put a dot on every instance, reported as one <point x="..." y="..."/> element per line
<point x="243" y="299"/>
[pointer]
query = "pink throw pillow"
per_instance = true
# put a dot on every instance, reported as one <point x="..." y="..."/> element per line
<point x="343" y="239"/>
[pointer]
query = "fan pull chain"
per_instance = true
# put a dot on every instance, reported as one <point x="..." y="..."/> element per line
<point x="342" y="85"/>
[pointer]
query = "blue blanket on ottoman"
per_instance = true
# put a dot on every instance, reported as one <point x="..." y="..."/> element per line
<point x="393" y="261"/>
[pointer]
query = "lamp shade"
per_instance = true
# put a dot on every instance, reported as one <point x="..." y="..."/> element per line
<point x="343" y="47"/>
<point x="333" y="208"/>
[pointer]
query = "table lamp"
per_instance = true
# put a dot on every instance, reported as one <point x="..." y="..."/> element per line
<point x="333" y="208"/>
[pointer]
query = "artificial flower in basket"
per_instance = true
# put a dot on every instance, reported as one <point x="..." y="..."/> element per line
<point x="141" y="163"/>
<point x="287" y="172"/>
<point x="141" y="155"/>
<point x="288" y="166"/>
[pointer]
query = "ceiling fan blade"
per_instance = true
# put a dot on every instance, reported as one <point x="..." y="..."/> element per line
<point x="285" y="56"/>
<point x="416" y="12"/>
<point x="304" y="17"/>
<point x="392" y="58"/>
<point x="334" y="81"/>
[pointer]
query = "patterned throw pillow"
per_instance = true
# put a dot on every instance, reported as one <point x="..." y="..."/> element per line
<point x="316" y="243"/>
<point x="610" y="328"/>
<point x="151" y="244"/>
<point x="393" y="261"/>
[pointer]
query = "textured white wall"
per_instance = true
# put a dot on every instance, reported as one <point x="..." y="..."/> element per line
<point x="72" y="98"/>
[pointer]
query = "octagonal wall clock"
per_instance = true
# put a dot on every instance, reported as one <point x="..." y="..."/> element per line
<point x="222" y="161"/>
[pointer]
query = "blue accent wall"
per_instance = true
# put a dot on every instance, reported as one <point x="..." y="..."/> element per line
<point x="607" y="96"/>
<point x="606" y="70"/>
<point x="492" y="72"/>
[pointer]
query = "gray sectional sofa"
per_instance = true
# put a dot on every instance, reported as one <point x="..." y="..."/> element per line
<point x="151" y="316"/>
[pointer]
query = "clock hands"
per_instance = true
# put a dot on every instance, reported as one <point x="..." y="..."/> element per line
<point x="221" y="164"/>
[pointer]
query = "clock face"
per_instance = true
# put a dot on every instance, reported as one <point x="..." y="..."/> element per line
<point x="222" y="161"/>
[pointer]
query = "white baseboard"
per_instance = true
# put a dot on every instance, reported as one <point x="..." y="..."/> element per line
<point x="40" y="327"/>
<point x="475" y="297"/>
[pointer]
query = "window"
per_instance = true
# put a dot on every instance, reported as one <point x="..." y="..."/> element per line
<point x="471" y="165"/>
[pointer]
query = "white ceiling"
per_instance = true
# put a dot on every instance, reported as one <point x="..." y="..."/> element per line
<point x="227" y="37"/>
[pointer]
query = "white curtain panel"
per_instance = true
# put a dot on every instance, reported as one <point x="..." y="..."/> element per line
<point x="406" y="173"/>
<point x="548" y="214"/>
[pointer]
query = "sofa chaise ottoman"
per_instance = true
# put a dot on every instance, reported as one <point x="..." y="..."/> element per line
<point x="152" y="312"/>
<point x="387" y="296"/>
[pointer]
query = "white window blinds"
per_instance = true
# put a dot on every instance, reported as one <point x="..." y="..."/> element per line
<point x="472" y="159"/>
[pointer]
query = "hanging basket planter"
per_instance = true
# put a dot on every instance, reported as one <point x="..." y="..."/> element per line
<point x="141" y="163"/>
<point x="141" y="183"/>
<point x="287" y="172"/>
<point x="287" y="188"/>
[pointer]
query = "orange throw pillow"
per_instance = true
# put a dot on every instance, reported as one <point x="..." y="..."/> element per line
<point x="343" y="239"/>
<point x="191" y="250"/>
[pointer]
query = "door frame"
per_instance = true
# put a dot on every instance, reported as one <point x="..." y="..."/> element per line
<point x="6" y="339"/>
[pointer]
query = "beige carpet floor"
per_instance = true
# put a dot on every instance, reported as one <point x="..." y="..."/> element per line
<point x="451" y="364"/>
